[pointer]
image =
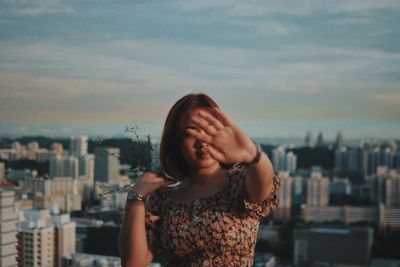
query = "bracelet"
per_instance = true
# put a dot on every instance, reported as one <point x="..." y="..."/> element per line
<point x="132" y="195"/>
<point x="256" y="158"/>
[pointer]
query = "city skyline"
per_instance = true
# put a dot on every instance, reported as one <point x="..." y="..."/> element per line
<point x="278" y="69"/>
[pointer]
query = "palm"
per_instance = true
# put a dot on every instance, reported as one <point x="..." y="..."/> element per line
<point x="227" y="143"/>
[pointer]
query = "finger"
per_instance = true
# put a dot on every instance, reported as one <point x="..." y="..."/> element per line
<point x="204" y="125"/>
<point x="223" y="118"/>
<point x="169" y="181"/>
<point x="211" y="120"/>
<point x="216" y="154"/>
<point x="199" y="135"/>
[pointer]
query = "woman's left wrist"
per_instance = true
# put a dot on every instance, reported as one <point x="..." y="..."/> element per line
<point x="255" y="155"/>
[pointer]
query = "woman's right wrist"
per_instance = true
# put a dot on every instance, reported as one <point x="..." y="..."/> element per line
<point x="141" y="190"/>
<point x="135" y="196"/>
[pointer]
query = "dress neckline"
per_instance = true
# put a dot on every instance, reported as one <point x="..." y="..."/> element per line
<point x="227" y="175"/>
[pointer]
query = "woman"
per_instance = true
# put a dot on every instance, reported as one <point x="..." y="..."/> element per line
<point x="211" y="217"/>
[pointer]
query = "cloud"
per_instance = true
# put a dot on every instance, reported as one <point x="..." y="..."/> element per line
<point x="115" y="79"/>
<point x="38" y="7"/>
<point x="388" y="98"/>
<point x="257" y="8"/>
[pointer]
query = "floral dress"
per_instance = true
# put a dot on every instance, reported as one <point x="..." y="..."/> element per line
<point x="218" y="230"/>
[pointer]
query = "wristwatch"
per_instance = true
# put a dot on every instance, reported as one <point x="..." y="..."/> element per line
<point x="256" y="158"/>
<point x="132" y="195"/>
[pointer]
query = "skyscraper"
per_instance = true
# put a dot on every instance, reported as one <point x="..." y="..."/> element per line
<point x="392" y="190"/>
<point x="308" y="139"/>
<point x="78" y="146"/>
<point x="2" y="172"/>
<point x="57" y="149"/>
<point x="284" y="210"/>
<point x="341" y="159"/>
<point x="71" y="167"/>
<point x="284" y="161"/>
<point x="320" y="140"/>
<point x="106" y="166"/>
<point x="339" y="141"/>
<point x="278" y="158"/>
<point x="64" y="166"/>
<point x="64" y="235"/>
<point x="35" y="239"/>
<point x="291" y="162"/>
<point x="8" y="230"/>
<point x="317" y="190"/>
<point x="56" y="166"/>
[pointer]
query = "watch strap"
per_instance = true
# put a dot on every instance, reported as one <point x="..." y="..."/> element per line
<point x="256" y="158"/>
<point x="132" y="195"/>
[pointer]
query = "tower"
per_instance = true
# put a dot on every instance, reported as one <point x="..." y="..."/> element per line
<point x="106" y="166"/>
<point x="8" y="230"/>
<point x="78" y="146"/>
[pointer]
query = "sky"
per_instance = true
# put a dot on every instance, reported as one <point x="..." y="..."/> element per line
<point x="276" y="68"/>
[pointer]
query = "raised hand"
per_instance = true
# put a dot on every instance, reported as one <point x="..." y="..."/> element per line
<point x="227" y="143"/>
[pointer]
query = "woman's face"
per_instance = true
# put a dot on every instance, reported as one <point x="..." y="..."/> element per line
<point x="194" y="151"/>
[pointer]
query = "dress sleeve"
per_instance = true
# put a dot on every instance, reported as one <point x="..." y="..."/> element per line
<point x="153" y="220"/>
<point x="239" y="197"/>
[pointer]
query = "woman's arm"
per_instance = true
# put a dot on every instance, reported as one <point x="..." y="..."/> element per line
<point x="132" y="241"/>
<point x="259" y="179"/>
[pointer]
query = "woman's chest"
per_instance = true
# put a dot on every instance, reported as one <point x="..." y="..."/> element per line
<point x="206" y="226"/>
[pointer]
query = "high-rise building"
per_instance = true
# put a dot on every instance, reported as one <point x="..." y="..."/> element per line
<point x="341" y="158"/>
<point x="340" y="186"/>
<point x="86" y="167"/>
<point x="36" y="245"/>
<point x="357" y="160"/>
<point x="333" y="246"/>
<point x="57" y="149"/>
<point x="284" y="210"/>
<point x="78" y="146"/>
<point x="320" y="140"/>
<point x="308" y="139"/>
<point x="56" y="166"/>
<point x="386" y="157"/>
<point x="291" y="162"/>
<point x="392" y="190"/>
<point x="284" y="161"/>
<point x="8" y="230"/>
<point x="16" y="146"/>
<point x="62" y="166"/>
<point x="373" y="160"/>
<point x="65" y="191"/>
<point x="106" y="166"/>
<point x="85" y="259"/>
<point x="339" y="141"/>
<point x="2" y="172"/>
<point x="45" y="238"/>
<point x="317" y="189"/>
<point x="64" y="235"/>
<point x="278" y="158"/>
<point x="299" y="190"/>
<point x="388" y="219"/>
<point x="33" y="146"/>
<point x="71" y="167"/>
<point x="396" y="161"/>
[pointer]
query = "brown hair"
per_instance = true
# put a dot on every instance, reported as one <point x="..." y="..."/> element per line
<point x="170" y="155"/>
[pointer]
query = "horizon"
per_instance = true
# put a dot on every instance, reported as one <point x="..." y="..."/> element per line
<point x="256" y="131"/>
